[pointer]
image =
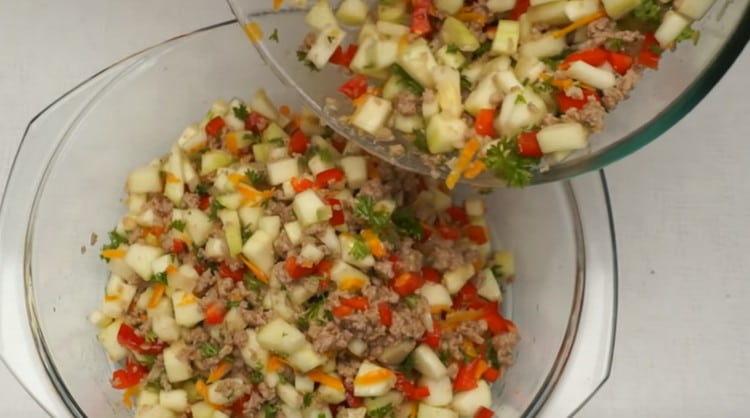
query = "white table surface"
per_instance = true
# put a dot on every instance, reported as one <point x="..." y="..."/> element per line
<point x="681" y="206"/>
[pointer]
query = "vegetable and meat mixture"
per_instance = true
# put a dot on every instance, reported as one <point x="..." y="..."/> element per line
<point x="504" y="86"/>
<point x="268" y="268"/>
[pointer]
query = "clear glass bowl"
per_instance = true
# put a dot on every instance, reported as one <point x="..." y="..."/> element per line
<point x="659" y="101"/>
<point x="67" y="182"/>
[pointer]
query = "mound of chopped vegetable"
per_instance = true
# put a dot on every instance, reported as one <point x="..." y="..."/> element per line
<point x="505" y="86"/>
<point x="268" y="268"/>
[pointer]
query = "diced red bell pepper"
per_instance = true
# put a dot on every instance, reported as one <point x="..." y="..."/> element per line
<point x="324" y="267"/>
<point x="395" y="263"/>
<point x="564" y="102"/>
<point x="298" y="142"/>
<point x="420" y="17"/>
<point x="528" y="146"/>
<point x="353" y="401"/>
<point x="477" y="234"/>
<point x="342" y="311"/>
<point x="328" y="177"/>
<point x="430" y="274"/>
<point x="468" y="297"/>
<point x="432" y="338"/>
<point x="466" y="378"/>
<point x="337" y="217"/>
<point x="520" y="8"/>
<point x="386" y="314"/>
<point x="592" y="56"/>
<point x="407" y="283"/>
<point x="215" y="313"/>
<point x="496" y="323"/>
<point x="256" y="122"/>
<point x="484" y="124"/>
<point x="127" y="337"/>
<point x="237" y="408"/>
<point x="484" y="412"/>
<point x="128" y="376"/>
<point x="301" y="184"/>
<point x="358" y="303"/>
<point x="355" y="87"/>
<point x="226" y="271"/>
<point x="410" y="390"/>
<point x="295" y="270"/>
<point x="650" y="53"/>
<point x="620" y="62"/>
<point x="491" y="374"/>
<point x="343" y="57"/>
<point x="449" y="232"/>
<point x="338" y="142"/>
<point x="458" y="215"/>
<point x="204" y="202"/>
<point x="214" y="126"/>
<point x="178" y="246"/>
<point x="426" y="232"/>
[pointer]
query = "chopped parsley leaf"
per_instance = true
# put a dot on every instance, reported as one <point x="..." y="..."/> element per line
<point x="151" y="336"/>
<point x="451" y="49"/>
<point x="407" y="366"/>
<point x="520" y="99"/>
<point x="364" y="208"/>
<point x="269" y="410"/>
<point x="147" y="360"/>
<point x="505" y="162"/>
<point x="256" y="178"/>
<point x="688" y="34"/>
<point x="274" y="35"/>
<point x="483" y="49"/>
<point x="542" y="86"/>
<point x="420" y="141"/>
<point x="307" y="399"/>
<point x="384" y="411"/>
<point x="178" y="225"/>
<point x="359" y="249"/>
<point x="115" y="240"/>
<point x="302" y="57"/>
<point x="465" y="83"/>
<point x="492" y="356"/>
<point x="325" y="154"/>
<point x="315" y="305"/>
<point x="208" y="350"/>
<point x="213" y="214"/>
<point x="614" y="44"/>
<point x="241" y="112"/>
<point x="202" y="189"/>
<point x="233" y="304"/>
<point x="256" y="375"/>
<point x="648" y="11"/>
<point x="411" y="301"/>
<point x="252" y="283"/>
<point x="407" y="223"/>
<point x="159" y="277"/>
<point x="407" y="81"/>
<point x="497" y="271"/>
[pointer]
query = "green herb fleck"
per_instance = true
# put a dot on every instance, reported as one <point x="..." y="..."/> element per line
<point x="307" y="399"/>
<point x="208" y="350"/>
<point x="314" y="308"/>
<point x="492" y="356"/>
<point x="269" y="410"/>
<point x="688" y="34"/>
<point x="451" y="49"/>
<point x="465" y="83"/>
<point x="420" y="141"/>
<point x="364" y="208"/>
<point x="203" y="189"/>
<point x="241" y="112"/>
<point x="233" y="304"/>
<point x="520" y="99"/>
<point x="252" y="283"/>
<point x="614" y="44"/>
<point x="407" y="366"/>
<point x="505" y="162"/>
<point x="274" y="35"/>
<point x="256" y="178"/>
<point x="302" y="57"/>
<point x="407" y="223"/>
<point x="411" y="301"/>
<point x="151" y="336"/>
<point x="214" y="209"/>
<point x="178" y="225"/>
<point x="159" y="277"/>
<point x="359" y="249"/>
<point x="148" y="360"/>
<point x="649" y="11"/>
<point x="115" y="240"/>
<point x="256" y="375"/>
<point x="656" y="49"/>
<point x="382" y="412"/>
<point x="325" y="154"/>
<point x="483" y="49"/>
<point x="542" y="86"/>
<point x="406" y="80"/>
<point x="497" y="271"/>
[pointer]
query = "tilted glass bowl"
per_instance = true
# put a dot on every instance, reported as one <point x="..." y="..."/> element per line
<point x="659" y="100"/>
<point x="67" y="182"/>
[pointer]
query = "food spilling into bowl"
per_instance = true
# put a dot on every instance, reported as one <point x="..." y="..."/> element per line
<point x="507" y="87"/>
<point x="266" y="266"/>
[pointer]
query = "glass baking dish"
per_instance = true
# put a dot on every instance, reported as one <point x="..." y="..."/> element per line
<point x="67" y="182"/>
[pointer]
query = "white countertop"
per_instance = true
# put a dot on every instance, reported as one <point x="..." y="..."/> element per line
<point x="681" y="206"/>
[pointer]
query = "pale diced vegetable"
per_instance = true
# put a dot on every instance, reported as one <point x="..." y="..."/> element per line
<point x="250" y="216"/>
<point x="376" y="387"/>
<point x="175" y="400"/>
<point x="397" y="353"/>
<point x="187" y="309"/>
<point x="429" y="411"/>
<point x="177" y="367"/>
<point x="593" y="76"/>
<point x="320" y="15"/>
<point x="619" y="8"/>
<point x="140" y="258"/>
<point x="445" y="133"/>
<point x="506" y="37"/>
<point x="449" y="6"/>
<point x="451" y="58"/>
<point x="499" y="6"/>
<point x="218" y="397"/>
<point x="694" y="9"/>
<point x="280" y="336"/>
<point x="441" y="391"/>
<point x="577" y="9"/>
<point x="262" y="104"/>
<point x="310" y="209"/>
<point x="355" y="170"/>
<point x="198" y="226"/>
<point x="455" y="279"/>
<point x="108" y="339"/>
<point x="672" y="25"/>
<point x="352" y="12"/>
<point x="215" y="159"/>
<point x="552" y="13"/>
<point x="448" y="86"/>
<point x="562" y="137"/>
<point x="488" y="287"/>
<point x="289" y="395"/>
<point x="345" y="275"/>
<point x="145" y="180"/>
<point x="271" y="225"/>
<point x="454" y="32"/>
<point x="483" y="96"/>
<point x="372" y="114"/>
<point x="546" y="46"/>
<point x="232" y="230"/>
<point x="258" y="249"/>
<point x="467" y="403"/>
<point x="436" y="294"/>
<point x="305" y="359"/>
<point x="428" y="363"/>
<point x="417" y="60"/>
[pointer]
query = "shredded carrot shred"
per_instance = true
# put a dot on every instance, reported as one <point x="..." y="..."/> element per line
<point x="230" y="140"/>
<point x="113" y="254"/>
<point x="171" y="269"/>
<point x="129" y="394"/>
<point x="187" y="299"/>
<point x="253" y="31"/>
<point x="374" y="243"/>
<point x="373" y="377"/>
<point x="579" y="23"/>
<point x="274" y="363"/>
<point x="259" y="274"/>
<point x="156" y="295"/>
<point x="219" y="371"/>
<point x="253" y="197"/>
<point x="326" y="379"/>
<point x="171" y="178"/>
<point x="471" y="148"/>
<point x="468" y="348"/>
<point x="351" y="283"/>
<point x="285" y="110"/>
<point x="482" y="367"/>
<point x="453" y="319"/>
<point x="468" y="15"/>
<point x="156" y="231"/>
<point x="202" y="389"/>
<point x="562" y="84"/>
<point x="277" y="4"/>
<point x="439" y="308"/>
<point x="236" y="178"/>
<point x="111" y="298"/>
<point x="475" y="168"/>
